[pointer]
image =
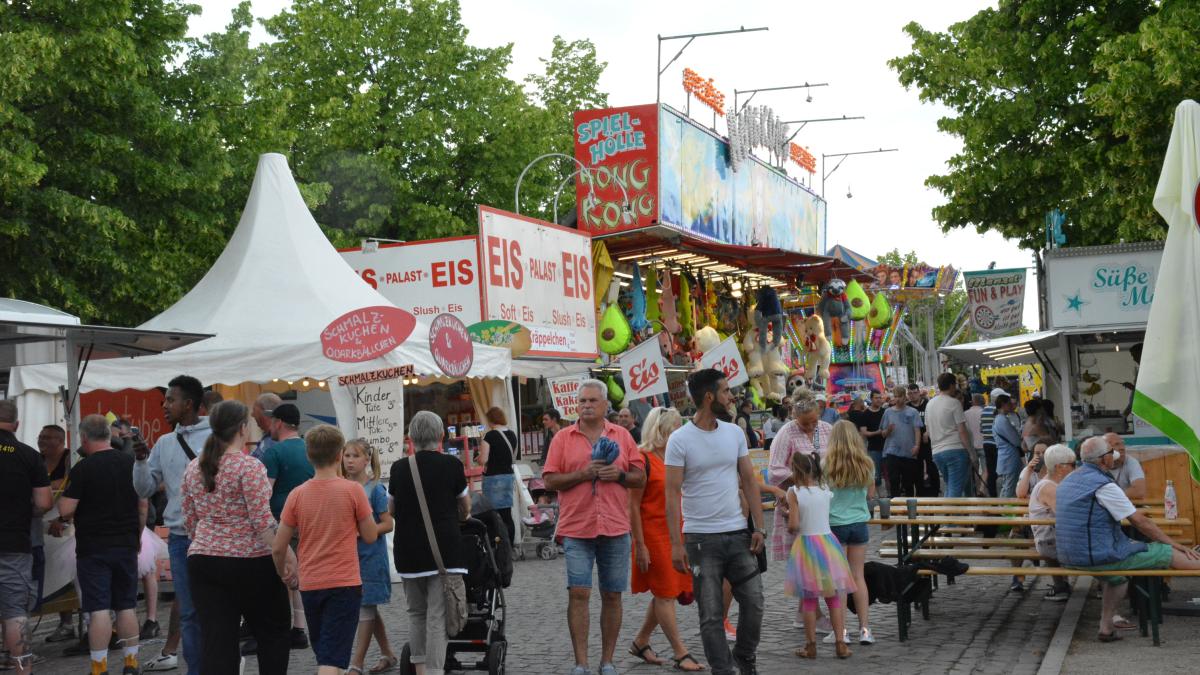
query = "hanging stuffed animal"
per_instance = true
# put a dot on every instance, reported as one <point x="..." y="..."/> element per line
<point x="687" y="317"/>
<point x="768" y="312"/>
<point x="602" y="269"/>
<point x="752" y="353"/>
<point x="817" y="351"/>
<point x="653" y="313"/>
<point x="638" y="320"/>
<point x="706" y="340"/>
<point x="710" y="303"/>
<point x="835" y="307"/>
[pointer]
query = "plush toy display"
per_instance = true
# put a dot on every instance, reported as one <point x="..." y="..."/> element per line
<point x="754" y="355"/>
<point x="775" y="372"/>
<point x="768" y="311"/>
<point x="637" y="303"/>
<point x="835" y="306"/>
<point x="817" y="351"/>
<point x="706" y="340"/>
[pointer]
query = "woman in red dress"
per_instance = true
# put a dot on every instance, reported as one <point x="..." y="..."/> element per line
<point x="652" y="570"/>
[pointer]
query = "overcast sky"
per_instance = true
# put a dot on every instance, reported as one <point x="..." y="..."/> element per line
<point x="846" y="44"/>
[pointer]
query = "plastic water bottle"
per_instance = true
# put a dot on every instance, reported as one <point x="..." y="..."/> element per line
<point x="1170" y="502"/>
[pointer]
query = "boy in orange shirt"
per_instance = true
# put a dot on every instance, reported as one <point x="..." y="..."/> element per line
<point x="330" y="513"/>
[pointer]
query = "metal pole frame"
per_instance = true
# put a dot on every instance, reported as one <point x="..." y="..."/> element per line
<point x="691" y="37"/>
<point x="753" y="92"/>
<point x="843" y="156"/>
<point x="581" y="170"/>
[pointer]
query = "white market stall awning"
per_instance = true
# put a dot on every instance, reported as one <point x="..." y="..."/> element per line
<point x="1004" y="351"/>
<point x="267" y="298"/>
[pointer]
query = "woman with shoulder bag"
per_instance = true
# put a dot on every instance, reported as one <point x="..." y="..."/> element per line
<point x="497" y="450"/>
<point x="427" y="550"/>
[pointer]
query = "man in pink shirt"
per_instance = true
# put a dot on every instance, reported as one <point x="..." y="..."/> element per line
<point x="593" y="504"/>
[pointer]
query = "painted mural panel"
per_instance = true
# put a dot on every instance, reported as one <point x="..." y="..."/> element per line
<point x="754" y="206"/>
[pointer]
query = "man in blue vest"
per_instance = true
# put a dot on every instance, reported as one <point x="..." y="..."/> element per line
<point x="1090" y="508"/>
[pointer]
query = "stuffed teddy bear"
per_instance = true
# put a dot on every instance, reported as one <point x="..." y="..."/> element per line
<point x="754" y="355"/>
<point x="835" y="306"/>
<point x="706" y="339"/>
<point x="817" y="351"/>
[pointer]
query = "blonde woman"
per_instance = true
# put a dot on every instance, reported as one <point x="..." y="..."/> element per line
<point x="652" y="570"/>
<point x="850" y="474"/>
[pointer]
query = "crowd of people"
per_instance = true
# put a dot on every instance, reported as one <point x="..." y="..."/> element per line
<point x="284" y="544"/>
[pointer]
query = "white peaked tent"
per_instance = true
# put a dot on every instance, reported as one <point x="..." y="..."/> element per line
<point x="267" y="298"/>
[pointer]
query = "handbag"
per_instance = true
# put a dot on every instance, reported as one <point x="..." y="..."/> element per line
<point x="454" y="591"/>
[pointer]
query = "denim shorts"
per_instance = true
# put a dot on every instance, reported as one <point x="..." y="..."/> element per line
<point x="17" y="587"/>
<point x="853" y="534"/>
<point x="611" y="557"/>
<point x="108" y="579"/>
<point x="332" y="615"/>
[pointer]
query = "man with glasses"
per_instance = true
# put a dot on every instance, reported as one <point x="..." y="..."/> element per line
<point x="593" y="502"/>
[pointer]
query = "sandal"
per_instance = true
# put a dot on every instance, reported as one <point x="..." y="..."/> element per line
<point x="640" y="652"/>
<point x="842" y="651"/>
<point x="354" y="669"/>
<point x="1109" y="637"/>
<point x="1121" y="623"/>
<point x="384" y="664"/>
<point x="808" y="652"/>
<point x="688" y="657"/>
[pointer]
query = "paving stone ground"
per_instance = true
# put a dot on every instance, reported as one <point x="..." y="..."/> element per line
<point x="976" y="626"/>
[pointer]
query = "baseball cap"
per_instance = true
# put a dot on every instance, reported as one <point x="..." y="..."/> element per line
<point x="997" y="392"/>
<point x="822" y="397"/>
<point x="287" y="413"/>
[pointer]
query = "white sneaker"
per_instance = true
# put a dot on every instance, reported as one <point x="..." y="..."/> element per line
<point x="161" y="662"/>
<point x="865" y="637"/>
<point x="799" y="625"/>
<point x="830" y="639"/>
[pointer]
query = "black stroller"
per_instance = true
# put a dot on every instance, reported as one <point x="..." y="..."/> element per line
<point x="489" y="572"/>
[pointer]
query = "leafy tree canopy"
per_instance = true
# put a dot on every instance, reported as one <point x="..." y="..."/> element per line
<point x="127" y="149"/>
<point x="1059" y="105"/>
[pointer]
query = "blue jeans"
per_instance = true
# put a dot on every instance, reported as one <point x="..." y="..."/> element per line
<point x="1008" y="484"/>
<point x="714" y="559"/>
<point x="189" y="625"/>
<point x="609" y="555"/>
<point x="955" y="467"/>
<point x="877" y="460"/>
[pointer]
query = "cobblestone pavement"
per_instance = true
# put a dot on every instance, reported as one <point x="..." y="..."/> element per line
<point x="976" y="626"/>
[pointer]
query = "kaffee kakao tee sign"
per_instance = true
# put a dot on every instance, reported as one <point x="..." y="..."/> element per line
<point x="366" y="333"/>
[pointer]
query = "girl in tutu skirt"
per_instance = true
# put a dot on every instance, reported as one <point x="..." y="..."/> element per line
<point x="817" y="566"/>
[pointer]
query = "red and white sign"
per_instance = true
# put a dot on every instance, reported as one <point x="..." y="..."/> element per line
<point x="539" y="275"/>
<point x="451" y="345"/>
<point x="563" y="391"/>
<point x="367" y="333"/>
<point x="643" y="370"/>
<point x="726" y="358"/>
<point x="426" y="278"/>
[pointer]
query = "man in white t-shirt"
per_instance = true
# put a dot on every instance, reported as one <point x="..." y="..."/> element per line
<point x="953" y="451"/>
<point x="705" y="462"/>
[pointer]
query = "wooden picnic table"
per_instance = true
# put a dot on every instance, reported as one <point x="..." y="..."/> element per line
<point x="997" y="509"/>
<point x="912" y="533"/>
<point x="995" y="501"/>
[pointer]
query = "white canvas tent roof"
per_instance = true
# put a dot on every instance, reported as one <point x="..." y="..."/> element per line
<point x="276" y="286"/>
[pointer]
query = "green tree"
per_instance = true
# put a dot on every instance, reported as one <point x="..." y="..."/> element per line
<point x="110" y="203"/>
<point x="894" y="258"/>
<point x="407" y="126"/>
<point x="1059" y="105"/>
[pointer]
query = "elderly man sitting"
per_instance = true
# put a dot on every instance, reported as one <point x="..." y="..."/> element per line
<point x="1090" y="538"/>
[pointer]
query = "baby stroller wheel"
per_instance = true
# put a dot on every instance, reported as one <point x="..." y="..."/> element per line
<point x="495" y="658"/>
<point x="546" y="552"/>
<point x="405" y="666"/>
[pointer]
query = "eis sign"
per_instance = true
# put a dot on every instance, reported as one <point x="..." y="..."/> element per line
<point x="619" y="146"/>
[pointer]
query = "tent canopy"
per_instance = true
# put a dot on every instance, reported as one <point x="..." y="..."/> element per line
<point x="1004" y="351"/>
<point x="852" y="258"/>
<point x="267" y="298"/>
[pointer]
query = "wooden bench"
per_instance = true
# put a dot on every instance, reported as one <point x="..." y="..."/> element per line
<point x="993" y="501"/>
<point x="1147" y="586"/>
